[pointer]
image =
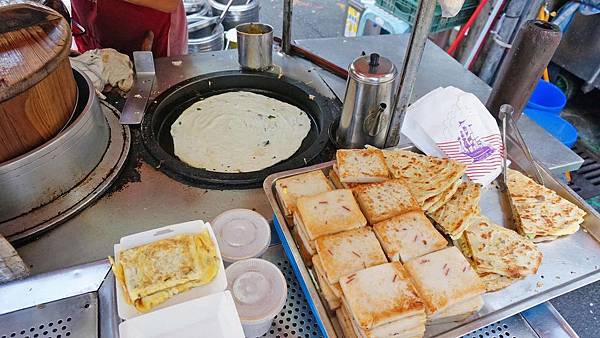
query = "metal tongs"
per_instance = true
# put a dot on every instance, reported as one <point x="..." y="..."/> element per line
<point x="508" y="122"/>
<point x="506" y="116"/>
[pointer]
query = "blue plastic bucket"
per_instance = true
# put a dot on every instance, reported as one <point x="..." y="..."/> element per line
<point x="548" y="98"/>
<point x="555" y="125"/>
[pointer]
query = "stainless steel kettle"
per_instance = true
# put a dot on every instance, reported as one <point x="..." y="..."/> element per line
<point x="370" y="90"/>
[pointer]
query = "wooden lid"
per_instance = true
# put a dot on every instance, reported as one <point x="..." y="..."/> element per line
<point x="33" y="41"/>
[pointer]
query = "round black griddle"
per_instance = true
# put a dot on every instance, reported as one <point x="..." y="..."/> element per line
<point x="162" y="112"/>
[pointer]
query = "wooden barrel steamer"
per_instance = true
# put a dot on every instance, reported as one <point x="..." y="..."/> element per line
<point x="37" y="88"/>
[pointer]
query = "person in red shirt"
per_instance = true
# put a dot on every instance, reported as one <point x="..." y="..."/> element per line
<point x="130" y="25"/>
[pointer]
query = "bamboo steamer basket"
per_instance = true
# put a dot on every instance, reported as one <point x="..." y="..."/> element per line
<point x="38" y="92"/>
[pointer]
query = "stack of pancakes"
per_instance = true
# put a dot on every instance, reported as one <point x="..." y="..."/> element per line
<point x="358" y="166"/>
<point x="540" y="213"/>
<point x="436" y="184"/>
<point x="456" y="215"/>
<point x="407" y="236"/>
<point x="325" y="214"/>
<point x="304" y="185"/>
<point x="432" y="180"/>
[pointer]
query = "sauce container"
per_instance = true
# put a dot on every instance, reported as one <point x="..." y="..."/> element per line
<point x="259" y="291"/>
<point x="241" y="234"/>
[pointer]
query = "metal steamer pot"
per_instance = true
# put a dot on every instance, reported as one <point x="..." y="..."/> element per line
<point x="48" y="171"/>
<point x="241" y="11"/>
<point x="166" y="108"/>
<point x="202" y="39"/>
<point x="196" y="7"/>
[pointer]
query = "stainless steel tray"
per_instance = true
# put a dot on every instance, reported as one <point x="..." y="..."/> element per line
<point x="569" y="263"/>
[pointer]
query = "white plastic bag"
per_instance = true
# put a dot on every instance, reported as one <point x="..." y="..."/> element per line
<point x="450" y="7"/>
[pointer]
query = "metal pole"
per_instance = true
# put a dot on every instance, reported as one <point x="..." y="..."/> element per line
<point x="286" y="37"/>
<point x="484" y="32"/>
<point x="516" y="12"/>
<point x="410" y="66"/>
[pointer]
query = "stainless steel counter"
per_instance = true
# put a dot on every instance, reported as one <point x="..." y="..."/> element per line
<point x="154" y="199"/>
<point x="147" y="198"/>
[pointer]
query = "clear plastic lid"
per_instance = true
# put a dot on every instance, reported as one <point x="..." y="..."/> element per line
<point x="258" y="288"/>
<point x="241" y="234"/>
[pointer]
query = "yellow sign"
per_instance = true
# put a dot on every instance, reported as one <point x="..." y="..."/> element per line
<point x="352" y="19"/>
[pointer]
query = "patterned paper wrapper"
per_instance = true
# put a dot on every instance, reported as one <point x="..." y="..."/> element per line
<point x="455" y="124"/>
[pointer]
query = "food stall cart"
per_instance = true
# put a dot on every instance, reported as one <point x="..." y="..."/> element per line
<point x="66" y="252"/>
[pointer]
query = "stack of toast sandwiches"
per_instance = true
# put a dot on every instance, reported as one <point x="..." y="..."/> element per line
<point x="392" y="308"/>
<point x="376" y="232"/>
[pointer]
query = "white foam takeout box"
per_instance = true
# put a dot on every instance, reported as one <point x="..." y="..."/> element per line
<point x="217" y="285"/>
<point x="213" y="316"/>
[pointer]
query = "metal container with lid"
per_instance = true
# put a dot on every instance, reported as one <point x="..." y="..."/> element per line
<point x="366" y="116"/>
<point x="196" y="7"/>
<point x="202" y="38"/>
<point x="239" y="13"/>
<point x="35" y="179"/>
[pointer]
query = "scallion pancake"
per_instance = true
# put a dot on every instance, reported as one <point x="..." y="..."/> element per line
<point x="427" y="176"/>
<point x="455" y="216"/>
<point x="539" y="211"/>
<point x="502" y="251"/>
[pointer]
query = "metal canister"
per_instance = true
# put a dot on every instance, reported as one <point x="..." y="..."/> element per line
<point x="370" y="90"/>
<point x="255" y="46"/>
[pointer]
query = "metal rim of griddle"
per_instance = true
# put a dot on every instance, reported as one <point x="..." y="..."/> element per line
<point x="165" y="109"/>
<point x="87" y="191"/>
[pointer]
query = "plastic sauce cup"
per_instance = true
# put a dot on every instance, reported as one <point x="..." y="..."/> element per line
<point x="259" y="291"/>
<point x="241" y="234"/>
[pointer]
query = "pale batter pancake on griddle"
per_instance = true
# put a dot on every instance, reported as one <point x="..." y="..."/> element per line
<point x="238" y="132"/>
